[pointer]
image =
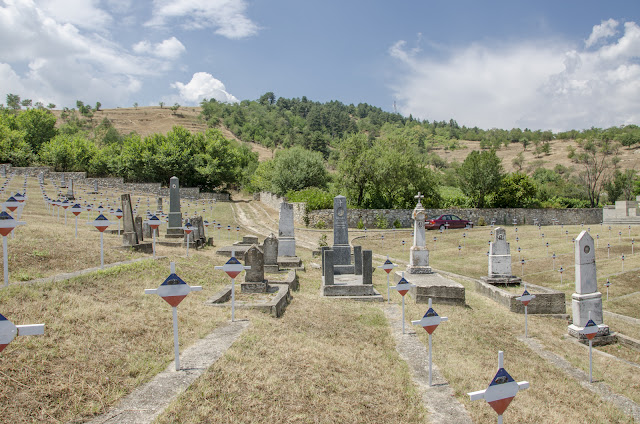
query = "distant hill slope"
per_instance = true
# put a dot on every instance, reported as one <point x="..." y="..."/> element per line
<point x="153" y="119"/>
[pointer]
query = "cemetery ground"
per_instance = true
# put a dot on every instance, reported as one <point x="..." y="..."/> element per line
<point x="325" y="360"/>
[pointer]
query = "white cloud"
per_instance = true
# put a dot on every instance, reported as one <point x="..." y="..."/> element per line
<point x="45" y="56"/>
<point x="227" y="16"/>
<point x="604" y="30"/>
<point x="171" y="48"/>
<point x="536" y="84"/>
<point x="203" y="85"/>
<point x="81" y="13"/>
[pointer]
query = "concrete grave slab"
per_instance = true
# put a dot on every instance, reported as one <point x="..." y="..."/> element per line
<point x="440" y="289"/>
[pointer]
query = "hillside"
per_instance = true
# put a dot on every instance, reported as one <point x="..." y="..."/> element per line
<point x="153" y="119"/>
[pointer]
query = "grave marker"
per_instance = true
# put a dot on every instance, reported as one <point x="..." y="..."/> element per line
<point x="76" y="210"/>
<point x="403" y="287"/>
<point x="7" y="224"/>
<point x="232" y="268"/>
<point x="430" y="322"/>
<point x="101" y="223"/>
<point x="419" y="256"/>
<point x="154" y="223"/>
<point x="590" y="331"/>
<point x="501" y="391"/>
<point x="188" y="228"/>
<point x="173" y="290"/>
<point x="388" y="266"/>
<point x="8" y="331"/>
<point x="525" y="299"/>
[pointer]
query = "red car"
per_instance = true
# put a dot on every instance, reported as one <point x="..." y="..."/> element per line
<point x="443" y="222"/>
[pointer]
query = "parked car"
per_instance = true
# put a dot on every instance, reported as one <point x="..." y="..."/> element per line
<point x="440" y="222"/>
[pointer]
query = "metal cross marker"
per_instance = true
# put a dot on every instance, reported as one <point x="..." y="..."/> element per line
<point x="419" y="197"/>
<point x="8" y="331"/>
<point x="589" y="331"/>
<point x="501" y="391"/>
<point x="387" y="266"/>
<point x="430" y="322"/>
<point x="233" y="267"/>
<point x="173" y="290"/>
<point x="607" y="284"/>
<point x="118" y="214"/>
<point x="403" y="287"/>
<point x="525" y="299"/>
<point x="188" y="228"/>
<point x="7" y="224"/>
<point x="76" y="210"/>
<point x="154" y="223"/>
<point x="101" y="223"/>
<point x="561" y="271"/>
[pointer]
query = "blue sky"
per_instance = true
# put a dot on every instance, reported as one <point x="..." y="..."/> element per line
<point x="542" y="65"/>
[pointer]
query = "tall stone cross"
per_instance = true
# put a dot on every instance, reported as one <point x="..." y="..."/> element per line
<point x="419" y="196"/>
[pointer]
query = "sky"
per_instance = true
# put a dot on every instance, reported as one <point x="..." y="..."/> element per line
<point x="557" y="65"/>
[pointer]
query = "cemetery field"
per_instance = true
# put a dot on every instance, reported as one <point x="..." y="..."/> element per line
<point x="539" y="267"/>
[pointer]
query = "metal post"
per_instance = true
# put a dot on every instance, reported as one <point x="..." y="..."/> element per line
<point x="187" y="245"/>
<point x="101" y="250"/>
<point x="76" y="226"/>
<point x="5" y="260"/>
<point x="154" y="242"/>
<point x="65" y="217"/>
<point x="233" y="299"/>
<point x="429" y="360"/>
<point x="402" y="314"/>
<point x="590" y="363"/>
<point x="388" y="293"/>
<point x="176" y="346"/>
<point x="525" y="322"/>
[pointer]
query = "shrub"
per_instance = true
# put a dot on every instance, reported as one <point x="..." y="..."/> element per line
<point x="381" y="221"/>
<point x="315" y="198"/>
<point x="322" y="241"/>
<point x="481" y="222"/>
<point x="360" y="224"/>
<point x="397" y="224"/>
<point x="321" y="225"/>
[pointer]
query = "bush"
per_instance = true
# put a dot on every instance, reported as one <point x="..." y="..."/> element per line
<point x="322" y="241"/>
<point x="397" y="224"/>
<point x="381" y="221"/>
<point x="321" y="225"/>
<point x="360" y="224"/>
<point x="481" y="222"/>
<point x="315" y="198"/>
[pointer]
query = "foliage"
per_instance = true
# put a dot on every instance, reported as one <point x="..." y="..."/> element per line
<point x="322" y="241"/>
<point x="598" y="159"/>
<point x="38" y="126"/>
<point x="13" y="102"/>
<point x="621" y="185"/>
<point x="296" y="169"/>
<point x="321" y="225"/>
<point x="13" y="147"/>
<point x="360" y="224"/>
<point x="67" y="152"/>
<point x="381" y="222"/>
<point x="314" y="197"/>
<point x="480" y="175"/>
<point x="516" y="190"/>
<point x="397" y="224"/>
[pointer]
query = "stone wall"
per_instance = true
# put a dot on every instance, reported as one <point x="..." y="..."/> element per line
<point x="114" y="183"/>
<point x="502" y="216"/>
<point x="273" y="201"/>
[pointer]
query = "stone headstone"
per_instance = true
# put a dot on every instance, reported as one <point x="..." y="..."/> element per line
<point x="254" y="281"/>
<point x="175" y="216"/>
<point x="62" y="182"/>
<point x="129" y="235"/>
<point x="95" y="187"/>
<point x="328" y="267"/>
<point x="198" y="223"/>
<point x="357" y="259"/>
<point x="270" y="249"/>
<point x="70" y="195"/>
<point x="249" y="239"/>
<point x="322" y="250"/>
<point x="587" y="299"/>
<point x="419" y="259"/>
<point x="159" y="206"/>
<point x="500" y="260"/>
<point x="286" y="238"/>
<point x="341" y="248"/>
<point x="137" y="224"/>
<point x="3" y="171"/>
<point x="367" y="267"/>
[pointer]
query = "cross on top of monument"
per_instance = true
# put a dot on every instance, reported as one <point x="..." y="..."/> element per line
<point x="419" y="196"/>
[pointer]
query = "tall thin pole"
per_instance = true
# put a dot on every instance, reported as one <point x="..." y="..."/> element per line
<point x="402" y="314"/>
<point x="5" y="261"/>
<point x="101" y="250"/>
<point x="233" y="299"/>
<point x="389" y="293"/>
<point x="176" y="346"/>
<point x="525" y="321"/>
<point x="429" y="359"/>
<point x="590" y="363"/>
<point x="76" y="226"/>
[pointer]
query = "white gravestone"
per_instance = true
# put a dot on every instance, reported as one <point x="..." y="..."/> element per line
<point x="286" y="238"/>
<point x="419" y="259"/>
<point x="587" y="300"/>
<point x="500" y="260"/>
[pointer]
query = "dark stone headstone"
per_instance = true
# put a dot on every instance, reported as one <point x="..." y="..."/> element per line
<point x="137" y="224"/>
<point x="328" y="267"/>
<point x="254" y="281"/>
<point x="367" y="267"/>
<point x="129" y="235"/>
<point x="357" y="259"/>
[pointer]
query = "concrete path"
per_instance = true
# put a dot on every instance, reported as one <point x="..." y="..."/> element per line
<point x="439" y="399"/>
<point x="623" y="403"/>
<point x="70" y="275"/>
<point x="147" y="402"/>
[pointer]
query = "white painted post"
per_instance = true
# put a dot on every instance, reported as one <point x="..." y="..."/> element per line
<point x="176" y="345"/>
<point x="101" y="250"/>
<point x="430" y="363"/>
<point x="76" y="226"/>
<point x="403" y="287"/>
<point x="5" y="261"/>
<point x="233" y="267"/>
<point x="387" y="266"/>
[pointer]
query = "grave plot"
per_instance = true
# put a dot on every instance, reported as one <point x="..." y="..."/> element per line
<point x="323" y="361"/>
<point x="103" y="337"/>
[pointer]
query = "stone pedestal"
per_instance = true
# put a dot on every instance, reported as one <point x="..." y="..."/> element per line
<point x="419" y="254"/>
<point x="419" y="261"/>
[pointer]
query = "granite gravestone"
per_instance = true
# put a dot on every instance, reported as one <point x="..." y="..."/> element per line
<point x="70" y="195"/>
<point x="286" y="237"/>
<point x="174" y="229"/>
<point x="500" y="260"/>
<point x="159" y="206"/>
<point x="3" y="171"/>
<point x="129" y="235"/>
<point x="254" y="281"/>
<point x="137" y="225"/>
<point x="341" y="248"/>
<point x="587" y="299"/>
<point x="270" y="249"/>
<point x="419" y="259"/>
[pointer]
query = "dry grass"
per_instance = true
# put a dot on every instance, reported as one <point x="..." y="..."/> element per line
<point x="323" y="362"/>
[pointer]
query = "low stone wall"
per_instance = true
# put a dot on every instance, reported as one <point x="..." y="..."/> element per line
<point x="505" y="216"/>
<point x="273" y="201"/>
<point x="547" y="301"/>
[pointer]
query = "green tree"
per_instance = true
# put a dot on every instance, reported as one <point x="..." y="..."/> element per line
<point x="13" y="102"/>
<point x="516" y="190"/>
<point x="480" y="175"/>
<point x="26" y="103"/>
<point x="267" y="98"/>
<point x="296" y="169"/>
<point x="68" y="152"/>
<point x="13" y="148"/>
<point x="38" y="125"/>
<point x="51" y="106"/>
<point x="598" y="159"/>
<point x="356" y="166"/>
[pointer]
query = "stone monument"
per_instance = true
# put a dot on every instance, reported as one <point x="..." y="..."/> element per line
<point x="159" y="206"/>
<point x="174" y="229"/>
<point x="129" y="235"/>
<point x="341" y="248"/>
<point x="427" y="284"/>
<point x="270" y="248"/>
<point x="587" y="299"/>
<point x="70" y="195"/>
<point x="254" y="281"/>
<point x="286" y="238"/>
<point x="3" y="171"/>
<point x="500" y="260"/>
<point x="419" y="259"/>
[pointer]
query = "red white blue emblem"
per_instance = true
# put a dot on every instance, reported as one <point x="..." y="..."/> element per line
<point x="590" y="330"/>
<point x="525" y="298"/>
